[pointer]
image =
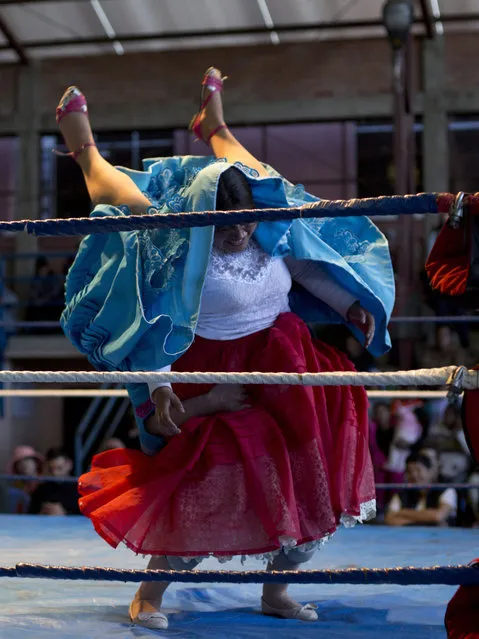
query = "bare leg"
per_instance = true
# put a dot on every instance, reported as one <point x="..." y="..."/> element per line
<point x="153" y="590"/>
<point x="146" y="604"/>
<point x="276" y="596"/>
<point x="105" y="184"/>
<point x="224" y="143"/>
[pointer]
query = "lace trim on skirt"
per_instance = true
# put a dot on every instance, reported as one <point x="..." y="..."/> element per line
<point x="367" y="512"/>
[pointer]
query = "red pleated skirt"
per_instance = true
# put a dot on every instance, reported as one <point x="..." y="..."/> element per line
<point x="283" y="471"/>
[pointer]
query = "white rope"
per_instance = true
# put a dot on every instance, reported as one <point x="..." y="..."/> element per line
<point x="118" y="392"/>
<point x="63" y="392"/>
<point x="421" y="377"/>
<point x="407" y="394"/>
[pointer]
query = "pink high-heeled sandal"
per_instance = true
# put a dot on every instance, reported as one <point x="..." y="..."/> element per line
<point x="213" y="84"/>
<point x="72" y="101"/>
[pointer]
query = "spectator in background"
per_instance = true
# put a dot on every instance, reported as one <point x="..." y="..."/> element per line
<point x="455" y="463"/>
<point x="26" y="461"/>
<point x="9" y="310"/>
<point x="435" y="410"/>
<point x="110" y="444"/>
<point x="432" y="454"/>
<point x="408" y="431"/>
<point x="446" y="351"/>
<point x="381" y="436"/>
<point x="56" y="497"/>
<point x="449" y="440"/>
<point x="47" y="293"/>
<point x="422" y="507"/>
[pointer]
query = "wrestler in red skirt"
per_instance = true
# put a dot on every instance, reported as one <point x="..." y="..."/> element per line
<point x="285" y="471"/>
<point x="462" y="615"/>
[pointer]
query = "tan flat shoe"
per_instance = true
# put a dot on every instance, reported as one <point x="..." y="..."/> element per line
<point x="303" y="613"/>
<point x="144" y="613"/>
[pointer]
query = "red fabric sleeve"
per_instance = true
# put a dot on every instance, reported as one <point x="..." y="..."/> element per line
<point x="447" y="266"/>
<point x="462" y="615"/>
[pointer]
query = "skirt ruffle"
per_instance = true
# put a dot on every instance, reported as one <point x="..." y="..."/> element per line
<point x="285" y="472"/>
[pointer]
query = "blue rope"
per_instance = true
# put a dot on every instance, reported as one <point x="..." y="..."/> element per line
<point x="386" y="205"/>
<point x="8" y="572"/>
<point x="444" y="575"/>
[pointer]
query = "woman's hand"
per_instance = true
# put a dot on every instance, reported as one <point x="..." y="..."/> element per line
<point x="221" y="398"/>
<point x="165" y="401"/>
<point x="228" y="398"/>
<point x="363" y="319"/>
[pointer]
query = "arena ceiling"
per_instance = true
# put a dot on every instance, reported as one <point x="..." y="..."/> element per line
<point x="33" y="29"/>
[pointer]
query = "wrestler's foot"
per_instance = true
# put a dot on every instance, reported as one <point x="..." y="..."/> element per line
<point x="278" y="603"/>
<point x="287" y="608"/>
<point x="146" y="613"/>
<point x="145" y="607"/>
<point x="73" y="122"/>
<point x="209" y="120"/>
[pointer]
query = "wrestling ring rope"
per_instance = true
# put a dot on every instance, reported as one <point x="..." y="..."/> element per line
<point x="454" y="378"/>
<point x="457" y="378"/>
<point x="120" y="393"/>
<point x="375" y="206"/>
<point x="443" y="575"/>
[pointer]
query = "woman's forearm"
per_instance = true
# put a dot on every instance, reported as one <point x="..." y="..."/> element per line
<point x="194" y="407"/>
<point x="171" y="413"/>
<point x="426" y="516"/>
<point x="319" y="283"/>
<point x="397" y="519"/>
<point x="402" y="517"/>
<point x="433" y="515"/>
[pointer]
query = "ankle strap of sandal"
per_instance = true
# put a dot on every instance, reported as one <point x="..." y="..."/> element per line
<point x="74" y="154"/>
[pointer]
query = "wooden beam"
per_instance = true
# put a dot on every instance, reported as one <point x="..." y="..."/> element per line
<point x="427" y="18"/>
<point x="13" y="43"/>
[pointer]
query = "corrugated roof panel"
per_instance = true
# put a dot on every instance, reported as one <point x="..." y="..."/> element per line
<point x="68" y="51"/>
<point x="302" y="11"/>
<point x="458" y="6"/>
<point x="196" y="43"/>
<point x="312" y="11"/>
<point x="151" y="16"/>
<point x="360" y="10"/>
<point x="73" y="19"/>
<point x="52" y="20"/>
<point x="8" y="57"/>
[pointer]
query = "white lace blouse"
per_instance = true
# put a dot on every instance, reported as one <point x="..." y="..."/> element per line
<point x="246" y="292"/>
